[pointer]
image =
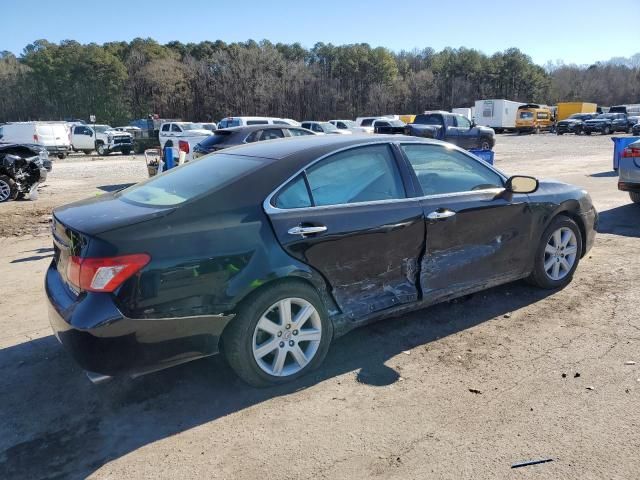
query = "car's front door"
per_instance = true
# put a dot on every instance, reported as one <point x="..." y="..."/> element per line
<point x="348" y="216"/>
<point x="83" y="138"/>
<point x="467" y="135"/>
<point x="477" y="235"/>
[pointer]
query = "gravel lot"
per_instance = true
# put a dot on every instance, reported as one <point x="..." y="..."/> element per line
<point x="393" y="400"/>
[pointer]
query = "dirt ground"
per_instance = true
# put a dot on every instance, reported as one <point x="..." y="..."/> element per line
<point x="393" y="400"/>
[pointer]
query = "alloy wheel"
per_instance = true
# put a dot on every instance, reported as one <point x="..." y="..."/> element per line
<point x="287" y="337"/>
<point x="5" y="191"/>
<point x="560" y="253"/>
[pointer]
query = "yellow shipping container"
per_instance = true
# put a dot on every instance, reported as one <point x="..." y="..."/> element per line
<point x="567" y="109"/>
<point x="407" y="118"/>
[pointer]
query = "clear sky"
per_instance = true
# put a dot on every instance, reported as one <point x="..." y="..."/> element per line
<point x="576" y="31"/>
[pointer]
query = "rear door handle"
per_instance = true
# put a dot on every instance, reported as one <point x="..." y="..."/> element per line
<point x="441" y="214"/>
<point x="299" y="230"/>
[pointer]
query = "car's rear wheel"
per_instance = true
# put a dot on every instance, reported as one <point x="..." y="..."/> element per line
<point x="87" y="152"/>
<point x="8" y="188"/>
<point x="606" y="131"/>
<point x="558" y="254"/>
<point x="587" y="133"/>
<point x="278" y="335"/>
<point x="485" y="144"/>
<point x="537" y="131"/>
<point x="635" y="197"/>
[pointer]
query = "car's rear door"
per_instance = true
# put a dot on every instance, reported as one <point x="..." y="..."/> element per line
<point x="476" y="235"/>
<point x="348" y="216"/>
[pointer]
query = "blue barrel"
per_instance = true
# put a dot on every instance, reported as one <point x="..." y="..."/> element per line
<point x="619" y="144"/>
<point x="168" y="158"/>
<point x="486" y="155"/>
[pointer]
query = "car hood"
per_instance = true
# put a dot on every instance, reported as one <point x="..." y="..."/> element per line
<point x="106" y="212"/>
<point x="558" y="192"/>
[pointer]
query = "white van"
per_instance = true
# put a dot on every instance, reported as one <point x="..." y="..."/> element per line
<point x="244" y="121"/>
<point x="53" y="136"/>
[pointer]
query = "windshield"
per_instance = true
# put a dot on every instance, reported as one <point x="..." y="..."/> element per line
<point x="101" y="128"/>
<point x="191" y="180"/>
<point x="428" y="119"/>
<point x="229" y="122"/>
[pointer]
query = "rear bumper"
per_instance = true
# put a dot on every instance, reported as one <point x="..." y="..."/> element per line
<point x="629" y="187"/>
<point x="102" y="340"/>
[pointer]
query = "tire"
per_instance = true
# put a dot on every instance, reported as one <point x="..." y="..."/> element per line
<point x="559" y="133"/>
<point x="579" y="131"/>
<point x="126" y="151"/>
<point x="606" y="131"/>
<point x="87" y="152"/>
<point x="537" y="131"/>
<point x="8" y="188"/>
<point x="485" y="144"/>
<point x="541" y="277"/>
<point x="241" y="342"/>
<point x="587" y="133"/>
<point x="635" y="197"/>
<point x="100" y="150"/>
<point x="62" y="156"/>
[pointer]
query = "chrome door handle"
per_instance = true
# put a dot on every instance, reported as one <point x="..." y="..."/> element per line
<point x="307" y="230"/>
<point x="439" y="215"/>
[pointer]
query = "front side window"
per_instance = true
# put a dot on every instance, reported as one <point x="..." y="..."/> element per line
<point x="441" y="170"/>
<point x="165" y="127"/>
<point x="298" y="132"/>
<point x="317" y="128"/>
<point x="361" y="174"/>
<point x="463" y="122"/>
<point x="175" y="128"/>
<point x="253" y="136"/>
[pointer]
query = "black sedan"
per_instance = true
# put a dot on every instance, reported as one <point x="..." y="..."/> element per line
<point x="231" y="137"/>
<point x="269" y="251"/>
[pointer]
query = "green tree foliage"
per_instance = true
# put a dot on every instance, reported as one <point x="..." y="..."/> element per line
<point x="118" y="81"/>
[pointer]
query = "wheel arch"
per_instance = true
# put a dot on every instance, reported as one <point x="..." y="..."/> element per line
<point x="570" y="211"/>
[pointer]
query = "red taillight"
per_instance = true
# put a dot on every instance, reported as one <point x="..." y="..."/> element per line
<point x="104" y="274"/>
<point x="631" y="153"/>
<point x="183" y="146"/>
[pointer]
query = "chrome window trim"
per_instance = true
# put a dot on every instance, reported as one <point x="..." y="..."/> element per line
<point x="269" y="208"/>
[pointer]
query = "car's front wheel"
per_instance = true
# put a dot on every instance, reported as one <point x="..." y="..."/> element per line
<point x="558" y="254"/>
<point x="8" y="188"/>
<point x="278" y="335"/>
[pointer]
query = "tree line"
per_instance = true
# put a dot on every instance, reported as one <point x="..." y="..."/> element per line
<point x="119" y="81"/>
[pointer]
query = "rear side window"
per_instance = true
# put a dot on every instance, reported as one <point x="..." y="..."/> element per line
<point x="272" y="134"/>
<point x="192" y="180"/>
<point x="227" y="123"/>
<point x="294" y="195"/>
<point x="441" y="170"/>
<point x="526" y="115"/>
<point x="257" y="122"/>
<point x="362" y="174"/>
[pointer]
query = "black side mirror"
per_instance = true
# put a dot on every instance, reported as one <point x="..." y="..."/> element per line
<point x="522" y="184"/>
<point x="473" y="124"/>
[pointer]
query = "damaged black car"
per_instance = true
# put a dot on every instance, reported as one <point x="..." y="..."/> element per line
<point x="22" y="168"/>
<point x="267" y="252"/>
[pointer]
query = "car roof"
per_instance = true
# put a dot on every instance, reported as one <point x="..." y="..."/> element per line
<point x="315" y="145"/>
<point x="263" y="126"/>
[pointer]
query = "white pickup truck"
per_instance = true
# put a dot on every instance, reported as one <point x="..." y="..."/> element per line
<point x="182" y="137"/>
<point x="101" y="138"/>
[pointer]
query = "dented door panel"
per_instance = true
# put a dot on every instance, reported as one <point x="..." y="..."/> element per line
<point x="368" y="254"/>
<point x="485" y="241"/>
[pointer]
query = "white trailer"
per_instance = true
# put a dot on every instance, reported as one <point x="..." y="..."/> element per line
<point x="498" y="114"/>
<point x="465" y="112"/>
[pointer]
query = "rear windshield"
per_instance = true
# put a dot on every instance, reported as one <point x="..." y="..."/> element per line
<point x="367" y="122"/>
<point x="190" y="181"/>
<point x="429" y="119"/>
<point x="526" y="115"/>
<point x="217" y="137"/>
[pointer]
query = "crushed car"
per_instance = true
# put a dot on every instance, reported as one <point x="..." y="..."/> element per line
<point x="22" y="168"/>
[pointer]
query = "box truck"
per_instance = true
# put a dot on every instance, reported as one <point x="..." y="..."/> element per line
<point x="498" y="114"/>
<point x="566" y="109"/>
<point x="465" y="112"/>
